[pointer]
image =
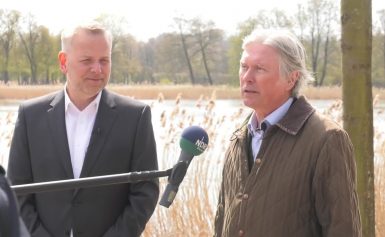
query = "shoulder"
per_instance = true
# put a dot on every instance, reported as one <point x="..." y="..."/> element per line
<point x="42" y="100"/>
<point x="321" y="122"/>
<point x="327" y="130"/>
<point x="121" y="101"/>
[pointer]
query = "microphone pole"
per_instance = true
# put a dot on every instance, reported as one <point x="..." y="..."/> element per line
<point x="131" y="177"/>
<point x="193" y="142"/>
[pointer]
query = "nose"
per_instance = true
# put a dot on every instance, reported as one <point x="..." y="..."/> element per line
<point x="96" y="67"/>
<point x="246" y="75"/>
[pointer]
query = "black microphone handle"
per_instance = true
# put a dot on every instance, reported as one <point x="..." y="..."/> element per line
<point x="169" y="195"/>
<point x="59" y="185"/>
<point x="177" y="175"/>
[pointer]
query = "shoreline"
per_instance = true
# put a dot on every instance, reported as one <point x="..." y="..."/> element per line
<point x="168" y="92"/>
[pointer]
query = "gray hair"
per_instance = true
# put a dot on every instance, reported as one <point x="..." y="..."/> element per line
<point x="92" y="27"/>
<point x="290" y="49"/>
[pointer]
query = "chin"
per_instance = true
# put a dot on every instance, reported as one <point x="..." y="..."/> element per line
<point x="249" y="103"/>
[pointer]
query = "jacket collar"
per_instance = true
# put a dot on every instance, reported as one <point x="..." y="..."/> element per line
<point x="56" y="123"/>
<point x="296" y="116"/>
<point x="298" y="113"/>
<point x="106" y="98"/>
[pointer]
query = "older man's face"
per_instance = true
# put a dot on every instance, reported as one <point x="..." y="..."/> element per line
<point x="262" y="86"/>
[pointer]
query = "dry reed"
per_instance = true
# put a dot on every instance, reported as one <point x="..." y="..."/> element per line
<point x="193" y="210"/>
<point x="14" y="92"/>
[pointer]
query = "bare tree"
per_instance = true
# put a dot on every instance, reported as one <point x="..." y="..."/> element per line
<point x="47" y="49"/>
<point x="9" y="21"/>
<point x="29" y="40"/>
<point x="170" y="61"/>
<point x="316" y="22"/>
<point x="181" y="24"/>
<point x="302" y="21"/>
<point x="147" y="59"/>
<point x="208" y="40"/>
<point x="128" y="65"/>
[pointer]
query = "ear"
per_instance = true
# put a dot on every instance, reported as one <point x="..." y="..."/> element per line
<point x="292" y="80"/>
<point x="63" y="62"/>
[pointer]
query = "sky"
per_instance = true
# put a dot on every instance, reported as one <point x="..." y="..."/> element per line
<point x="149" y="18"/>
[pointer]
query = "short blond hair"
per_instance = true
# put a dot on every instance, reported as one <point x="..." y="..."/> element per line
<point x="92" y="27"/>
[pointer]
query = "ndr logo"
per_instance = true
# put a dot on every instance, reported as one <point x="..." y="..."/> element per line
<point x="201" y="144"/>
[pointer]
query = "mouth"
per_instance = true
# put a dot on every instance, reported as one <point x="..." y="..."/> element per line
<point x="95" y="79"/>
<point x="249" y="91"/>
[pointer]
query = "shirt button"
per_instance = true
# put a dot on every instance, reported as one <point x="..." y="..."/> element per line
<point x="245" y="196"/>
<point x="258" y="161"/>
<point x="241" y="233"/>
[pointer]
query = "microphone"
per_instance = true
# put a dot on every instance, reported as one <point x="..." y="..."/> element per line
<point x="193" y="142"/>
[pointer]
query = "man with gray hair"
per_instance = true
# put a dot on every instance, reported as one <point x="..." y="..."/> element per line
<point x="288" y="171"/>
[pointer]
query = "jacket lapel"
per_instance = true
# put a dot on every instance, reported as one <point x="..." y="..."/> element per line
<point x="56" y="123"/>
<point x="104" y="119"/>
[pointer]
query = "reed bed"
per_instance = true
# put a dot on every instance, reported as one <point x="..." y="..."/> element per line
<point x="193" y="210"/>
<point x="15" y="92"/>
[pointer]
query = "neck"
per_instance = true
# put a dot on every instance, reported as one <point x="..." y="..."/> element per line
<point x="81" y="102"/>
<point x="262" y="113"/>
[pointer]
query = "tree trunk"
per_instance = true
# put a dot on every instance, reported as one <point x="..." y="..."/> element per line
<point x="187" y="57"/>
<point x="315" y="44"/>
<point x="205" y="63"/>
<point x="5" y="77"/>
<point x="6" y="64"/>
<point x="29" y="51"/>
<point x="325" y="61"/>
<point x="356" y="45"/>
<point x="179" y="22"/>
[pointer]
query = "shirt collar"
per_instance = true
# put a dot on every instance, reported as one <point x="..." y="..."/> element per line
<point x="254" y="125"/>
<point x="68" y="102"/>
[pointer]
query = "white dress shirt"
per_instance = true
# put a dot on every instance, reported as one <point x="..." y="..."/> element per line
<point x="257" y="129"/>
<point x="79" y="126"/>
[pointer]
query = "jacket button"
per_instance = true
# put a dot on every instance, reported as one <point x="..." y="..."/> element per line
<point x="245" y="196"/>
<point x="241" y="233"/>
<point x="258" y="161"/>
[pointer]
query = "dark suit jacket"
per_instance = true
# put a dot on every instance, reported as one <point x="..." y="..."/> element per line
<point x="122" y="141"/>
<point x="11" y="224"/>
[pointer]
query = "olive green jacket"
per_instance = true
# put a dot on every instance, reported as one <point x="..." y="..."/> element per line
<point x="302" y="183"/>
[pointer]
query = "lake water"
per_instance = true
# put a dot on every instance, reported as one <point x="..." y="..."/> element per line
<point x="170" y="117"/>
